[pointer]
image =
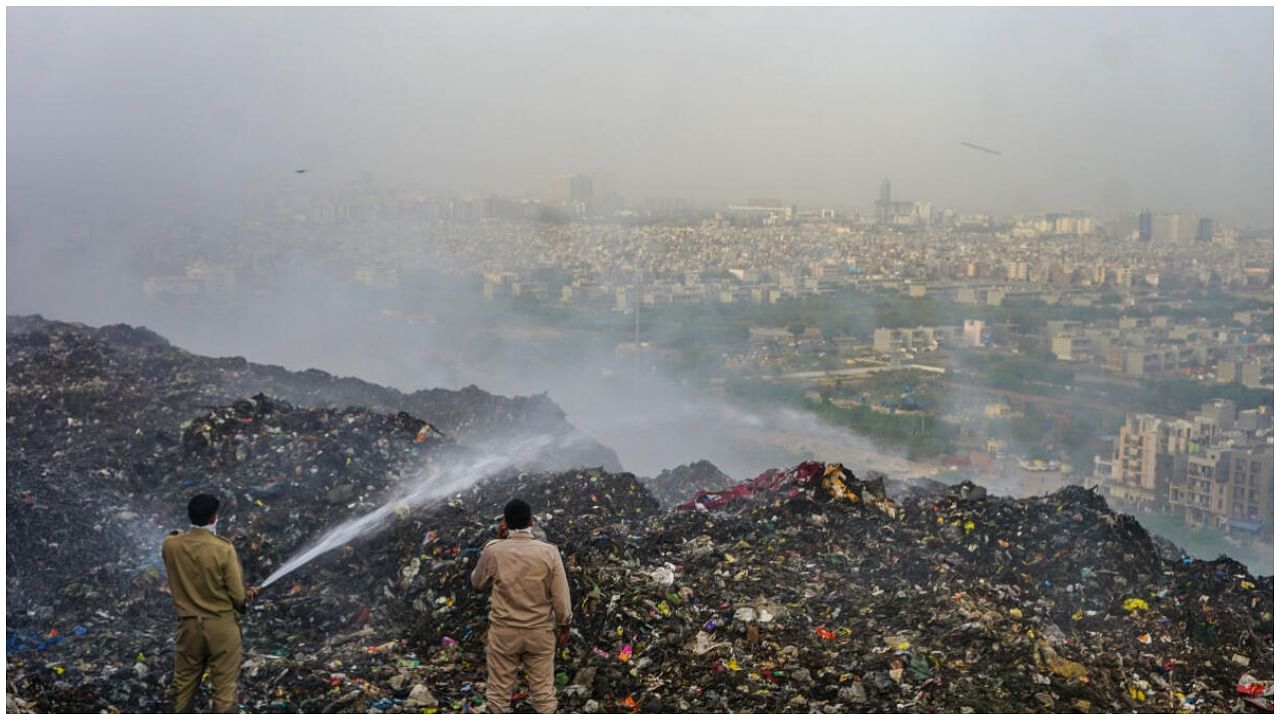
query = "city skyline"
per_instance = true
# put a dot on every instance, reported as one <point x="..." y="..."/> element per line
<point x="1101" y="109"/>
<point x="554" y="190"/>
<point x="861" y="206"/>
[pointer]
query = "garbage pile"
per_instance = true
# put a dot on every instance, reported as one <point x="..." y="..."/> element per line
<point x="110" y="430"/>
<point x="109" y="433"/>
<point x="804" y="589"/>
<point x="809" y="589"/>
<point x="169" y="382"/>
<point x="674" y="486"/>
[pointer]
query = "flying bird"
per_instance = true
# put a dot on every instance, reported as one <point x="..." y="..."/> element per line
<point x="979" y="147"/>
<point x="299" y="172"/>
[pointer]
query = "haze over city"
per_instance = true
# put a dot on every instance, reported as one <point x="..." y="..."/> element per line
<point x="147" y="110"/>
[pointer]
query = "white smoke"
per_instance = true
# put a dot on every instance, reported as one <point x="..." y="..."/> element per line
<point x="431" y="483"/>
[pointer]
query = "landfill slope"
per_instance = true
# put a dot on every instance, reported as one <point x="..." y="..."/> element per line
<point x="162" y="382"/>
<point x="810" y="589"/>
<point x="110" y="430"/>
<point x="676" y="485"/>
<point x="804" y="589"/>
<point x="118" y="417"/>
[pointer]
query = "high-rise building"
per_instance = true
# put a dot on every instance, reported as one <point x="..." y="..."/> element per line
<point x="1220" y="412"/>
<point x="573" y="192"/>
<point x="1192" y="495"/>
<point x="1228" y="488"/>
<point x="1204" y="230"/>
<point x="1144" y="226"/>
<point x="1174" y="228"/>
<point x="1216" y="470"/>
<point x="1149" y="453"/>
<point x="884" y="206"/>
<point x="923" y="212"/>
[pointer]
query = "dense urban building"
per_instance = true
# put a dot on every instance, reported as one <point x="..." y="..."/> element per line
<point x="1116" y="311"/>
<point x="1215" y="469"/>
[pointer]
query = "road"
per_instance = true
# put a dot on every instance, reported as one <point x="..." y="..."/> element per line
<point x="856" y="372"/>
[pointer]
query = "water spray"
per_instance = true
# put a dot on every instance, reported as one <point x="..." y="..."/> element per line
<point x="428" y="485"/>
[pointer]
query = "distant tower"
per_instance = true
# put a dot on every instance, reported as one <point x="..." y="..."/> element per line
<point x="1144" y="226"/>
<point x="1204" y="231"/>
<point x="572" y="192"/>
<point x="884" y="206"/>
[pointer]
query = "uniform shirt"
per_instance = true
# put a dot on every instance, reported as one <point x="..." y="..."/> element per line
<point x="530" y="589"/>
<point x="204" y="574"/>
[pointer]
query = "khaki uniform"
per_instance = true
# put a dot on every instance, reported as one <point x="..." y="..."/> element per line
<point x="208" y="592"/>
<point x="529" y="599"/>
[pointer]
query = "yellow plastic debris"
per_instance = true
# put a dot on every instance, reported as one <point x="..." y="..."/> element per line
<point x="1061" y="666"/>
<point x="1069" y="669"/>
<point x="1133" y="604"/>
<point x="833" y="483"/>
<point x="1015" y="613"/>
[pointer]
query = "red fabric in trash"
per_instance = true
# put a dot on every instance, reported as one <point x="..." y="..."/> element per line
<point x="769" y="480"/>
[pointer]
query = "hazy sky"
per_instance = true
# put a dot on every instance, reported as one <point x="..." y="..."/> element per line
<point x="140" y="110"/>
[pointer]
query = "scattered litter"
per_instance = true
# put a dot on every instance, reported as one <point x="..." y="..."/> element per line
<point x="812" y="588"/>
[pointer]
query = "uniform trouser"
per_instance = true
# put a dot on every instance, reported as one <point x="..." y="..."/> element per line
<point x="508" y="649"/>
<point x="207" y="641"/>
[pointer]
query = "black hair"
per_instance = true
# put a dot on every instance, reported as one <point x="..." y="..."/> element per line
<point x="202" y="508"/>
<point x="517" y="514"/>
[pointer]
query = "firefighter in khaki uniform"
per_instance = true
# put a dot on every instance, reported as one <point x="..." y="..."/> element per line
<point x="529" y="601"/>
<point x="208" y="592"/>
